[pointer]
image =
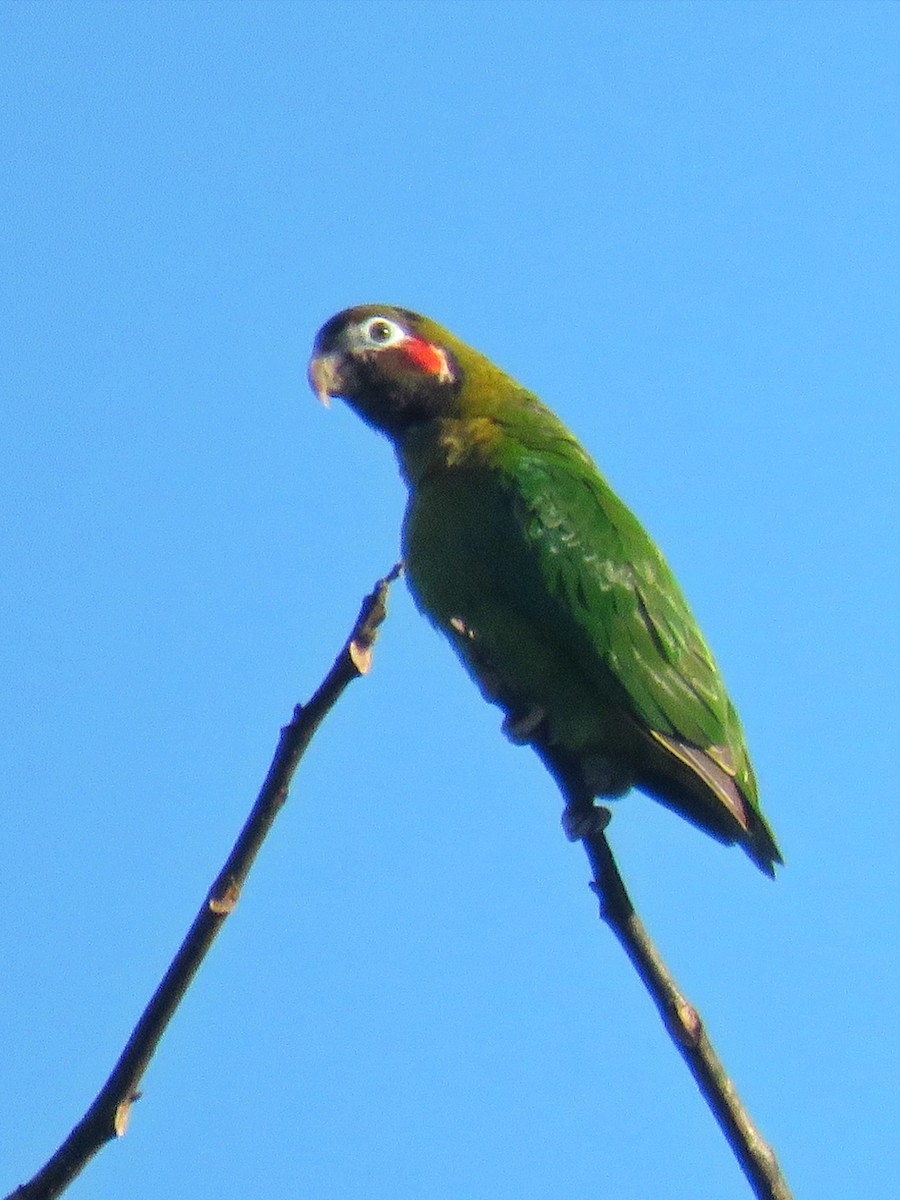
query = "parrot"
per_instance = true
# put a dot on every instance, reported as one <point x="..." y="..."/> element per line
<point x="554" y="598"/>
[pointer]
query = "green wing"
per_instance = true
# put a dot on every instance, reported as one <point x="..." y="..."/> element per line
<point x="607" y="587"/>
<point x="609" y="597"/>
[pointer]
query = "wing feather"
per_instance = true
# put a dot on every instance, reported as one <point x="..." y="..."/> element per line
<point x="615" y="602"/>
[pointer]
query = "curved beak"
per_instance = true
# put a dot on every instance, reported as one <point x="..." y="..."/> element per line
<point x="325" y="376"/>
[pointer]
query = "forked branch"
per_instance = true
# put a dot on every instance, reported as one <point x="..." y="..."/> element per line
<point x="107" y="1117"/>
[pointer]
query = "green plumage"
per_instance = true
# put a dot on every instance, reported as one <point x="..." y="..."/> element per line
<point x="553" y="596"/>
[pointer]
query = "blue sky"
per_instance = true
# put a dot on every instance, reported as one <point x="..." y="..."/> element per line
<point x="678" y="223"/>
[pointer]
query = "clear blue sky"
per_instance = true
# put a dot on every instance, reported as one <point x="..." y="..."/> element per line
<point x="678" y="223"/>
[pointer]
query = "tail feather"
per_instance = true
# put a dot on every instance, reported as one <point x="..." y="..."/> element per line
<point x="718" y="804"/>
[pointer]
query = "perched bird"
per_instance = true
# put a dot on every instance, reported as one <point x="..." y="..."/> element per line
<point x="555" y="599"/>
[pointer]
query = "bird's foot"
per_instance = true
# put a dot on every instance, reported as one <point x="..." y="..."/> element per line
<point x="519" y="729"/>
<point x="581" y="821"/>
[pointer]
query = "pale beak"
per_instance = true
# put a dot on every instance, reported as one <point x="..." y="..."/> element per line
<point x="325" y="376"/>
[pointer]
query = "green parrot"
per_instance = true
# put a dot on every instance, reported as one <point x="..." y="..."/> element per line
<point x="557" y="602"/>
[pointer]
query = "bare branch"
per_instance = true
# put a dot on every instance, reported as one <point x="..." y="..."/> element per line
<point x="107" y="1117"/>
<point x="680" y="1018"/>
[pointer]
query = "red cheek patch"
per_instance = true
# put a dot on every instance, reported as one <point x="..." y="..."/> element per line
<point x="426" y="357"/>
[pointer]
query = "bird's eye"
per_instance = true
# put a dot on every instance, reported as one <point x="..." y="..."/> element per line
<point x="379" y="331"/>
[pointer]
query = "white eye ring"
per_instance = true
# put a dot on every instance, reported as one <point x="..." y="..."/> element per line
<point x="380" y="332"/>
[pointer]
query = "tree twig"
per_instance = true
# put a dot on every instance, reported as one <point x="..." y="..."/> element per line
<point x="681" y="1019"/>
<point x="107" y="1117"/>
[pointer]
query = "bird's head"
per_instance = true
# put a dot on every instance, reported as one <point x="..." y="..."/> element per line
<point x="397" y="369"/>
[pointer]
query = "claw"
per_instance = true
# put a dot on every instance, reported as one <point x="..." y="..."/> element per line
<point x="579" y="822"/>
